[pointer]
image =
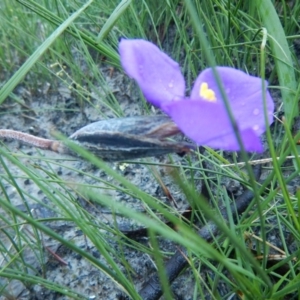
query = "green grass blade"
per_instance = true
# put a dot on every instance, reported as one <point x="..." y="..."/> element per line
<point x="113" y="19"/>
<point x="282" y="56"/>
<point x="54" y="19"/>
<point x="30" y="62"/>
<point x="119" y="278"/>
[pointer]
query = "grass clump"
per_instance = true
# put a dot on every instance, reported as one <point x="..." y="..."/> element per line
<point x="73" y="45"/>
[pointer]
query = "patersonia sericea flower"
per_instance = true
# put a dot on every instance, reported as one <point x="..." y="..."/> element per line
<point x="202" y="116"/>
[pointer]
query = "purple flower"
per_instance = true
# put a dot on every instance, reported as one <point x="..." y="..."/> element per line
<point x="202" y="117"/>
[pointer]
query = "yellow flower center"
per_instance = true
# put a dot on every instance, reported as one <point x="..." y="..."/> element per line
<point x="207" y="93"/>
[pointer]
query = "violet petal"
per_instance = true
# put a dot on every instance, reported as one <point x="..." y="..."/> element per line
<point x="208" y="124"/>
<point x="244" y="93"/>
<point x="158" y="76"/>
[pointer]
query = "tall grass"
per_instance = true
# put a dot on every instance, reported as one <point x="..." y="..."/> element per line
<point x="37" y="35"/>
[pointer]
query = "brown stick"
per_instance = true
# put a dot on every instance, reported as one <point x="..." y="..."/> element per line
<point x="116" y="139"/>
<point x="31" y="140"/>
